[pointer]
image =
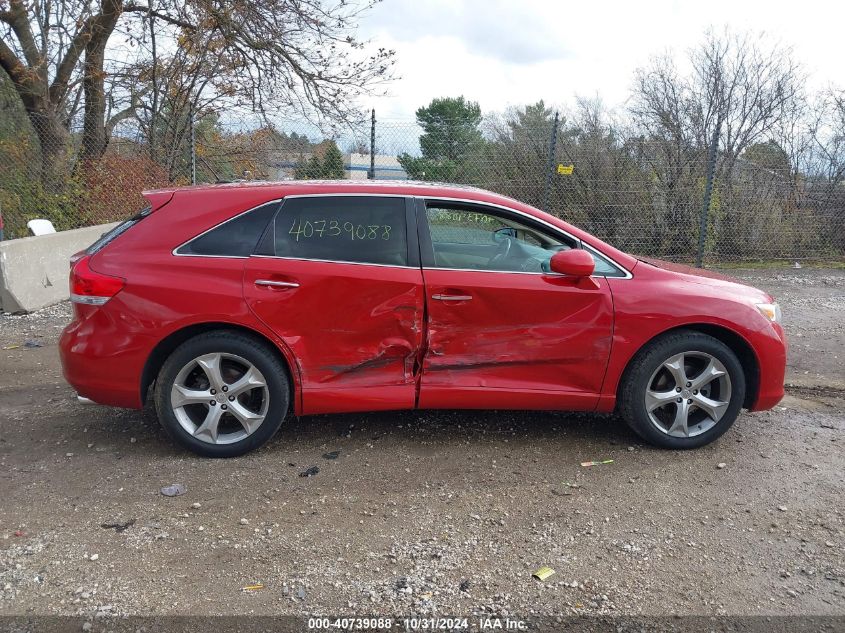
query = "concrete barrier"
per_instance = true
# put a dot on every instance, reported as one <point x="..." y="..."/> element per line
<point x="34" y="270"/>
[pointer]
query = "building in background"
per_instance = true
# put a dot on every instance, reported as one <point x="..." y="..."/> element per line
<point x="387" y="167"/>
<point x="355" y="166"/>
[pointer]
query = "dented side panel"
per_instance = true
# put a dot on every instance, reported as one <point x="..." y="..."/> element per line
<point x="516" y="333"/>
<point x="355" y="329"/>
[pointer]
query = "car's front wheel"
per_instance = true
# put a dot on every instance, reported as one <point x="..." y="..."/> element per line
<point x="683" y="391"/>
<point x="222" y="394"/>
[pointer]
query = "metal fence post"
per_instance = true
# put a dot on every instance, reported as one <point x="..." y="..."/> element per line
<point x="550" y="166"/>
<point x="708" y="194"/>
<point x="193" y="149"/>
<point x="372" y="173"/>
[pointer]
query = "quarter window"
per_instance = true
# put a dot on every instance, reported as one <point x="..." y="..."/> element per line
<point x="234" y="238"/>
<point x="356" y="229"/>
<point x="604" y="268"/>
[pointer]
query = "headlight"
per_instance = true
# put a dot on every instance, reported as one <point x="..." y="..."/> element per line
<point x="771" y="311"/>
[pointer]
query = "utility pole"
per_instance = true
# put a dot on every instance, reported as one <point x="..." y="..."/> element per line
<point x="550" y="166"/>
<point x="372" y="173"/>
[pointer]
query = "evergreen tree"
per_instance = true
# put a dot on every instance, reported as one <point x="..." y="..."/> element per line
<point x="451" y="137"/>
<point x="332" y="166"/>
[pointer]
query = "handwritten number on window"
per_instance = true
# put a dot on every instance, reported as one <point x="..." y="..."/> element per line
<point x="332" y="228"/>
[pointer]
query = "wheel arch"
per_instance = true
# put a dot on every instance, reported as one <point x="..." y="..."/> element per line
<point x="735" y="341"/>
<point x="168" y="344"/>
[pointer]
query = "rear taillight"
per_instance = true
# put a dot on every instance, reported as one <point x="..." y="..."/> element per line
<point x="90" y="287"/>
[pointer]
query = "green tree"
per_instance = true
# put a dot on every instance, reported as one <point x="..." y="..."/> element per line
<point x="769" y="155"/>
<point x="518" y="152"/>
<point x="530" y="128"/>
<point x="332" y="167"/>
<point x="311" y="169"/>
<point x="450" y="139"/>
<point x="329" y="167"/>
<point x="13" y="119"/>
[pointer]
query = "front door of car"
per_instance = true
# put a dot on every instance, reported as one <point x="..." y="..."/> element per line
<point x="504" y="332"/>
<point x="337" y="278"/>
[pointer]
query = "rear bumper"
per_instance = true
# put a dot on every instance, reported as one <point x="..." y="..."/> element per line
<point x="102" y="359"/>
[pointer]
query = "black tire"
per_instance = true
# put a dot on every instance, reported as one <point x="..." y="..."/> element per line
<point x="246" y="347"/>
<point x="635" y="383"/>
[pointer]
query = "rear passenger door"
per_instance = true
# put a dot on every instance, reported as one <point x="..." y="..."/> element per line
<point x="337" y="278"/>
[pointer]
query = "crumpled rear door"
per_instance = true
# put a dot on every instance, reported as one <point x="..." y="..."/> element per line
<point x="355" y="329"/>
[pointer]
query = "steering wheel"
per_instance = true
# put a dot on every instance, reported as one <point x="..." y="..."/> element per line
<point x="501" y="253"/>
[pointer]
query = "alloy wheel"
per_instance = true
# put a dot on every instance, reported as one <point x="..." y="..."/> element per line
<point x="220" y="398"/>
<point x="688" y="394"/>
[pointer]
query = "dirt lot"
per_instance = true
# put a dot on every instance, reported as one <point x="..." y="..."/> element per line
<point x="428" y="512"/>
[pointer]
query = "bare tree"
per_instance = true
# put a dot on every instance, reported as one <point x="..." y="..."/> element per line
<point x="740" y="87"/>
<point x="737" y="83"/>
<point x="594" y="141"/>
<point x="826" y="158"/>
<point x="274" y="55"/>
<point x="822" y="167"/>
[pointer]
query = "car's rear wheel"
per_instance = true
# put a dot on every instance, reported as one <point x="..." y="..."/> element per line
<point x="683" y="391"/>
<point x="222" y="394"/>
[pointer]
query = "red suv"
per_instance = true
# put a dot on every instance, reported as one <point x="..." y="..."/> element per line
<point x="239" y="304"/>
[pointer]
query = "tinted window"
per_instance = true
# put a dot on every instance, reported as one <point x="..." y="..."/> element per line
<point x="234" y="238"/>
<point x="346" y="229"/>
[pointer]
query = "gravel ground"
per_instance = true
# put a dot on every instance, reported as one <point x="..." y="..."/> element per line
<point x="428" y="512"/>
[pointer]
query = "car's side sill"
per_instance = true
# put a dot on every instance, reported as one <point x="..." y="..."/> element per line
<point x="451" y="397"/>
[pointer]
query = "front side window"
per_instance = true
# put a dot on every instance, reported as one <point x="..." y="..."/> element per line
<point x="472" y="239"/>
<point x="234" y="238"/>
<point x="355" y="229"/>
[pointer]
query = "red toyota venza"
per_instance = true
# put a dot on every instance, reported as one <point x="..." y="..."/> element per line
<point x="234" y="306"/>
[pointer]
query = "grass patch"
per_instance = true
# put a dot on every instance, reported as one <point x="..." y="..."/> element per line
<point x="774" y="264"/>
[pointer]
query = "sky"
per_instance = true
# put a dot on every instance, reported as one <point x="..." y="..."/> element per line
<point x="512" y="52"/>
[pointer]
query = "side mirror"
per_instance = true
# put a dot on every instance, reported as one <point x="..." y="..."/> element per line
<point x="575" y="262"/>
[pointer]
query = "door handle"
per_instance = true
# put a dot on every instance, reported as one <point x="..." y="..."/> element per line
<point x="440" y="297"/>
<point x="276" y="284"/>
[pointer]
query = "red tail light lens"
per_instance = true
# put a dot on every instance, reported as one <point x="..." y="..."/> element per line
<point x="90" y="287"/>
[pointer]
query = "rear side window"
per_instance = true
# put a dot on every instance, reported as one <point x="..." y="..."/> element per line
<point x="356" y="229"/>
<point x="234" y="238"/>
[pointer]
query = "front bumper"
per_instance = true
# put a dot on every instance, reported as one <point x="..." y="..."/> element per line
<point x="771" y="357"/>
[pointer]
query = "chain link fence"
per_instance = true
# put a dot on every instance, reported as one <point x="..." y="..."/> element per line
<point x="645" y="196"/>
